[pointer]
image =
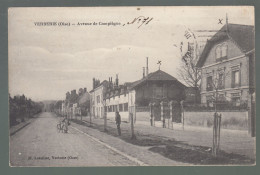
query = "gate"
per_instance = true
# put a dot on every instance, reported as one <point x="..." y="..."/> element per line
<point x="176" y="112"/>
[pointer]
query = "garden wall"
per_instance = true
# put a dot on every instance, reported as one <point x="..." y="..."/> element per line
<point x="229" y="120"/>
<point x="237" y="120"/>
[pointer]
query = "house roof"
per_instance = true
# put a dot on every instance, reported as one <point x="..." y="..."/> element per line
<point x="158" y="75"/>
<point x="103" y="83"/>
<point x="242" y="35"/>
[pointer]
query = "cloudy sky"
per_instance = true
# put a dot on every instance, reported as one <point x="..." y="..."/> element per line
<point x="47" y="61"/>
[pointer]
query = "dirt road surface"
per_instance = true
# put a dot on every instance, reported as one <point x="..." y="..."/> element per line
<point x="40" y="144"/>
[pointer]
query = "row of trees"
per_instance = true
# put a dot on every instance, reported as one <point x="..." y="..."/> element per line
<point x="21" y="107"/>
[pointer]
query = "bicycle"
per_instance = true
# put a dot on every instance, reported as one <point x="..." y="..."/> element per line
<point x="60" y="127"/>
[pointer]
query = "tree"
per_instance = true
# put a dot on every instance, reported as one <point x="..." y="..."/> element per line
<point x="215" y="83"/>
<point x="188" y="71"/>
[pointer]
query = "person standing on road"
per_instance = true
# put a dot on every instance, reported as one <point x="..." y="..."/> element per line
<point x="65" y="123"/>
<point x="118" y="122"/>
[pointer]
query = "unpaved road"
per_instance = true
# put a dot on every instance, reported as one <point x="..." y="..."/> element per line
<point x="39" y="144"/>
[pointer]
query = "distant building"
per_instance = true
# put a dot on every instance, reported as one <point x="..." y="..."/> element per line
<point x="96" y="98"/>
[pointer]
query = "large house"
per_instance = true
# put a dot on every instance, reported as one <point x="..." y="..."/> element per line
<point x="227" y="66"/>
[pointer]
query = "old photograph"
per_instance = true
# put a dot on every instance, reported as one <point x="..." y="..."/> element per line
<point x="131" y="86"/>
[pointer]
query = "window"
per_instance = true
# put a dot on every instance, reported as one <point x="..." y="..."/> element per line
<point x="235" y="79"/>
<point x="221" y="81"/>
<point x="221" y="51"/>
<point x="224" y="50"/>
<point x="209" y="100"/>
<point x="120" y="107"/>
<point x="115" y="108"/>
<point x="218" y="52"/>
<point x="157" y="91"/>
<point x="209" y="83"/>
<point x="125" y="106"/>
<point x="98" y="99"/>
<point x="221" y="97"/>
<point x="236" y="99"/>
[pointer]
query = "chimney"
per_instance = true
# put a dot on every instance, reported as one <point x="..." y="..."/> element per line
<point x="143" y="72"/>
<point x="94" y="83"/>
<point x="147" y="69"/>
<point x="117" y="80"/>
<point x="226" y="23"/>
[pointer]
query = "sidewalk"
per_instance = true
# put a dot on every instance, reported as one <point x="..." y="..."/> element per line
<point x="142" y="154"/>
<point x="14" y="129"/>
<point x="231" y="141"/>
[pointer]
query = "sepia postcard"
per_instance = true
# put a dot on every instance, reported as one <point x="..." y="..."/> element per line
<point x="131" y="86"/>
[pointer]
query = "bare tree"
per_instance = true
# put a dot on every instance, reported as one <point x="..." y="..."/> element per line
<point x="215" y="83"/>
<point x="188" y="71"/>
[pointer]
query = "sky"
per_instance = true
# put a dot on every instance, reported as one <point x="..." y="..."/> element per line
<point x="47" y="61"/>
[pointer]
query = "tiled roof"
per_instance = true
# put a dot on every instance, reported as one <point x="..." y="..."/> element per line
<point x="158" y="75"/>
<point x="242" y="35"/>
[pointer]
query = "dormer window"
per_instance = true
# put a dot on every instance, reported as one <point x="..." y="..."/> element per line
<point x="218" y="52"/>
<point x="224" y="50"/>
<point x="221" y="51"/>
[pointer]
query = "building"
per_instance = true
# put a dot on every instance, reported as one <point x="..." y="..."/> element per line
<point x="157" y="86"/>
<point x="96" y="98"/>
<point x="227" y="66"/>
<point x="192" y="95"/>
<point x="116" y="99"/>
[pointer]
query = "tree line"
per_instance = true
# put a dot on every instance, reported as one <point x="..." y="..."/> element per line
<point x="21" y="107"/>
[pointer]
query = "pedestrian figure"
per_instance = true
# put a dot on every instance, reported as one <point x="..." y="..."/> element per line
<point x="151" y="119"/>
<point x="65" y="125"/>
<point x="164" y="126"/>
<point x="118" y="122"/>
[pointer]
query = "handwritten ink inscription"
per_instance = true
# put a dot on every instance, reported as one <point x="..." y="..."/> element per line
<point x="140" y="20"/>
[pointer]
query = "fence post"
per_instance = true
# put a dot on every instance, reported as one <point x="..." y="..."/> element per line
<point x="90" y="120"/>
<point x="105" y="121"/>
<point x="135" y="113"/>
<point x="132" y="126"/>
<point x="162" y="115"/>
<point x="171" y="113"/>
<point x="80" y="113"/>
<point x="182" y="110"/>
<point x="151" y="113"/>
